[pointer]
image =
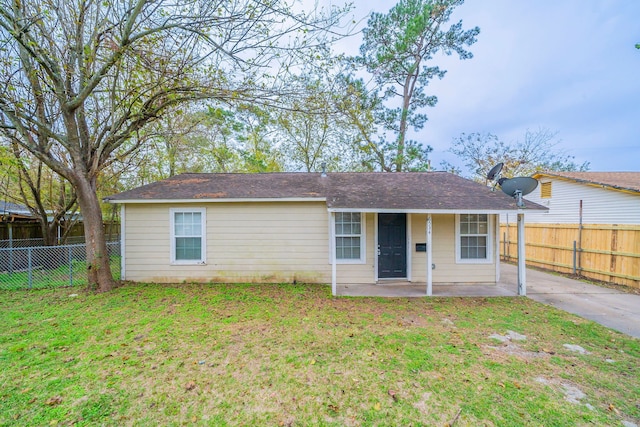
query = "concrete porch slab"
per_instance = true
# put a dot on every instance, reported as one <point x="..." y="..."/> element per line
<point x="420" y="290"/>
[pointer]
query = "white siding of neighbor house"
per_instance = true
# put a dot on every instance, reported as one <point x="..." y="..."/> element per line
<point x="600" y="205"/>
<point x="444" y="254"/>
<point x="246" y="242"/>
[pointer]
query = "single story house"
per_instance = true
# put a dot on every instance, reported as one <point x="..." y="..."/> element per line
<point x="591" y="226"/>
<point x="338" y="228"/>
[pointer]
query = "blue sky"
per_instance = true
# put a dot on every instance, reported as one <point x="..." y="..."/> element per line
<point x="567" y="65"/>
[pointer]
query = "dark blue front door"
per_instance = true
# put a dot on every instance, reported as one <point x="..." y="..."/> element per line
<point x="392" y="245"/>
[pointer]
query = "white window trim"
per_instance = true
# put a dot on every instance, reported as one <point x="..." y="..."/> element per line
<point x="409" y="260"/>
<point x="489" y="259"/>
<point x="363" y="240"/>
<point x="203" y="258"/>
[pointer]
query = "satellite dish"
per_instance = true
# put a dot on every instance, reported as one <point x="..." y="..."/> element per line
<point x="518" y="187"/>
<point x="495" y="171"/>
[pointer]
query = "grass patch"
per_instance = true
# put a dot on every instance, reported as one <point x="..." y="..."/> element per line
<point x="293" y="355"/>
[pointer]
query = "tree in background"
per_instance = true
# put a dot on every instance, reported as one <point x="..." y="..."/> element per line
<point x="397" y="51"/>
<point x="46" y="194"/>
<point x="537" y="151"/>
<point x="202" y="139"/>
<point x="257" y="150"/>
<point x="309" y="130"/>
<point x="80" y="81"/>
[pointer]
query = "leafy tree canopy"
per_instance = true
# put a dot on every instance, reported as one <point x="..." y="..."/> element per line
<point x="398" y="51"/>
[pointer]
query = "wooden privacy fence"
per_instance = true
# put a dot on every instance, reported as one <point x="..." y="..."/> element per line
<point x="610" y="253"/>
<point x="32" y="230"/>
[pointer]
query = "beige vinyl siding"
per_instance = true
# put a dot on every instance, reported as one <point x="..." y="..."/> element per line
<point x="279" y="242"/>
<point x="246" y="242"/>
<point x="444" y="253"/>
<point x="361" y="273"/>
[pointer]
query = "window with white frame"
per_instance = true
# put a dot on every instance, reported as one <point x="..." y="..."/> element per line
<point x="349" y="236"/>
<point x="473" y="238"/>
<point x="188" y="245"/>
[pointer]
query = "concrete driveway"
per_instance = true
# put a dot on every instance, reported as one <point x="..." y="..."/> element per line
<point x="609" y="307"/>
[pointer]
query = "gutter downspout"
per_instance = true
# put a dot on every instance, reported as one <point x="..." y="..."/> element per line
<point x="123" y="249"/>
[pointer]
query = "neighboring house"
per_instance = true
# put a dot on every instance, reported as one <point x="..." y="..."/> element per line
<point x="10" y="212"/>
<point x="599" y="211"/>
<point x="338" y="228"/>
<point x="16" y="222"/>
<point x="590" y="197"/>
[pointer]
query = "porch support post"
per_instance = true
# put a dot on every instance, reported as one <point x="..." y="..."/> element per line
<point x="429" y="257"/>
<point x="522" y="274"/>
<point x="497" y="251"/>
<point x="332" y="248"/>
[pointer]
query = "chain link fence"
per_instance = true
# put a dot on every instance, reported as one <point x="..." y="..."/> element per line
<point x="38" y="267"/>
<point x="21" y="243"/>
<point x="26" y="243"/>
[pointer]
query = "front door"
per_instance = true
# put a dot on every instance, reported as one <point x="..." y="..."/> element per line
<point x="392" y="245"/>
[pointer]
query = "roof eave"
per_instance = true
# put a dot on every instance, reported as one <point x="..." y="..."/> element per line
<point x="330" y="209"/>
<point x="588" y="182"/>
<point x="218" y="200"/>
<point x="435" y="211"/>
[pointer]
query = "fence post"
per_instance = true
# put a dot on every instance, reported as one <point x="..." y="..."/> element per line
<point x="30" y="268"/>
<point x="70" y="266"/>
<point x="574" y="257"/>
<point x="10" y="228"/>
<point x="504" y="245"/>
<point x="580" y="240"/>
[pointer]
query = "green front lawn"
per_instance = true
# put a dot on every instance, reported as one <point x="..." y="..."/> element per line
<point x="293" y="355"/>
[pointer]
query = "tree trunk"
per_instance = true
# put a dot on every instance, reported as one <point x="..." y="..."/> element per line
<point x="409" y="85"/>
<point x="49" y="232"/>
<point x="98" y="267"/>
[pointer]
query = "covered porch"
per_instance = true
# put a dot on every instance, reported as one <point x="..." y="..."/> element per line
<point x="507" y="286"/>
<point x="421" y="253"/>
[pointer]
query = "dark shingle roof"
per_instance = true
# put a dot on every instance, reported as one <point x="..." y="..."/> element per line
<point x="12" y="208"/>
<point x="629" y="181"/>
<point x="348" y="190"/>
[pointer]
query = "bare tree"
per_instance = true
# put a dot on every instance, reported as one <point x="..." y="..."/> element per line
<point x="538" y="150"/>
<point x="80" y="78"/>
